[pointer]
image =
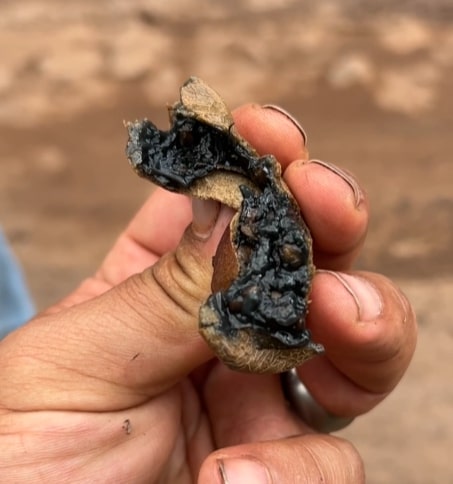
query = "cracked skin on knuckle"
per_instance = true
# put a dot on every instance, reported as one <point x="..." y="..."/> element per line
<point x="183" y="279"/>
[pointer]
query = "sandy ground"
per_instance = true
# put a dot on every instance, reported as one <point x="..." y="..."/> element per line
<point x="371" y="83"/>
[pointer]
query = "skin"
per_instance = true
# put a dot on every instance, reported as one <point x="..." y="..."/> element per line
<point x="114" y="384"/>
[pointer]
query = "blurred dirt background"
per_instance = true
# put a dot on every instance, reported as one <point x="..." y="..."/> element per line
<point x="370" y="81"/>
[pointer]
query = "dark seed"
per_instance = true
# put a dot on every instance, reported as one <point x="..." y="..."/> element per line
<point x="186" y="139"/>
<point x="251" y="297"/>
<point x="252" y="292"/>
<point x="236" y="305"/>
<point x="260" y="175"/>
<point x="248" y="232"/>
<point x="292" y="256"/>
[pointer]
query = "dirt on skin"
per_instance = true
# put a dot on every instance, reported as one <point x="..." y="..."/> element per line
<point x="372" y="87"/>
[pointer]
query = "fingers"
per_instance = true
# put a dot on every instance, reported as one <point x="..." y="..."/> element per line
<point x="369" y="332"/>
<point x="266" y="128"/>
<point x="118" y="349"/>
<point x="368" y="347"/>
<point x="250" y="408"/>
<point x="303" y="459"/>
<point x="156" y="229"/>
<point x="333" y="204"/>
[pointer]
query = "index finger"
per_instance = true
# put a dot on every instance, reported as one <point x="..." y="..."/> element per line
<point x="270" y="130"/>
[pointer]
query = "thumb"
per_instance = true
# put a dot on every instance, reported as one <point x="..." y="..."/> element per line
<point x="122" y="347"/>
<point x="303" y="459"/>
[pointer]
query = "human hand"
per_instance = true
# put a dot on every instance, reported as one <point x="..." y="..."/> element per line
<point x="114" y="384"/>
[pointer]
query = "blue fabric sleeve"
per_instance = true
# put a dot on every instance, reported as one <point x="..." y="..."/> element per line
<point x="16" y="306"/>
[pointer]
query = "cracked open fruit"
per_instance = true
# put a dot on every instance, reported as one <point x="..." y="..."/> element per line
<point x="254" y="320"/>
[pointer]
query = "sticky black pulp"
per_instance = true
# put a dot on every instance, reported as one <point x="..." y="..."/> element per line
<point x="270" y="294"/>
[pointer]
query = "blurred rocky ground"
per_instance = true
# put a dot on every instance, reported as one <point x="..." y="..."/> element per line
<point x="60" y="60"/>
<point x="371" y="83"/>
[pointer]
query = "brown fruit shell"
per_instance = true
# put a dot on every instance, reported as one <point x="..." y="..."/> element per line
<point x="242" y="349"/>
<point x="242" y="353"/>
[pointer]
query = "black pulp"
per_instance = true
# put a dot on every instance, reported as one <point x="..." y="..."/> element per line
<point x="270" y="294"/>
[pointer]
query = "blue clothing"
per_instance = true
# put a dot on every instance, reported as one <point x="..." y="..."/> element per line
<point x="16" y="306"/>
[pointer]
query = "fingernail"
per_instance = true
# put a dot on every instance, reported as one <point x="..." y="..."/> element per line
<point x="205" y="213"/>
<point x="347" y="177"/>
<point x="243" y="471"/>
<point x="290" y="117"/>
<point x="366" y="297"/>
